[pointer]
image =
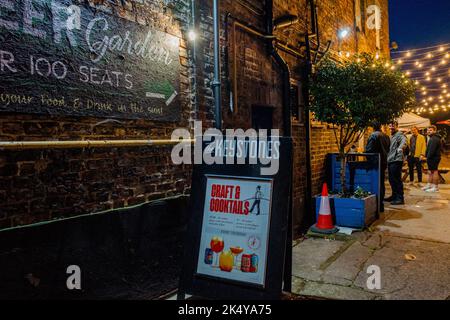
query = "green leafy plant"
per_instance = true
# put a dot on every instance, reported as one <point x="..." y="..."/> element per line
<point x="360" y="193"/>
<point x="353" y="95"/>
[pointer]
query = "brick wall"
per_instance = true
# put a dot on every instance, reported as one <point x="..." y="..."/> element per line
<point x="42" y="185"/>
<point x="332" y="16"/>
<point x="50" y="184"/>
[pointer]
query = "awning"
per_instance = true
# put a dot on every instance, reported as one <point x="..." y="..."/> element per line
<point x="409" y="120"/>
<point x="447" y="122"/>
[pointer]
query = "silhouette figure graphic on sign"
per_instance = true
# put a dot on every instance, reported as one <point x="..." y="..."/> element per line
<point x="257" y="203"/>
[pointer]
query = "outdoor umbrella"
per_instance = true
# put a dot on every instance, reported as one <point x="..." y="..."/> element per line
<point x="447" y="122"/>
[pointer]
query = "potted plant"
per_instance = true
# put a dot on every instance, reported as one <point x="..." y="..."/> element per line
<point x="350" y="96"/>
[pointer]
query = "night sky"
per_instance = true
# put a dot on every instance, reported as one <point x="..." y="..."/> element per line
<point x="419" y="23"/>
<point x="416" y="24"/>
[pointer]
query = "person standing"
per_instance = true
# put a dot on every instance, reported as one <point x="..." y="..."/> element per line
<point x="257" y="203"/>
<point x="417" y="147"/>
<point x="433" y="154"/>
<point x="379" y="143"/>
<point x="396" y="159"/>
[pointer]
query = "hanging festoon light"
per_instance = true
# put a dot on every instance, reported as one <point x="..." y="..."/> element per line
<point x="429" y="69"/>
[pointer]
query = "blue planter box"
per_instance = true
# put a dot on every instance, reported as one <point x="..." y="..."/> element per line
<point x="351" y="212"/>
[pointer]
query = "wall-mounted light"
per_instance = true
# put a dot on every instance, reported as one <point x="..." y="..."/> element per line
<point x="343" y="33"/>
<point x="192" y="35"/>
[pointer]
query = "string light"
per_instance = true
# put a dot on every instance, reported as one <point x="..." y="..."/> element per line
<point x="428" y="69"/>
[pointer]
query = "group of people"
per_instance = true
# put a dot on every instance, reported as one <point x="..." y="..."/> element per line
<point x="397" y="148"/>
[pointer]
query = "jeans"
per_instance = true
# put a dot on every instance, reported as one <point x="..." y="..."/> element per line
<point x="412" y="164"/>
<point x="395" y="180"/>
<point x="382" y="187"/>
<point x="256" y="204"/>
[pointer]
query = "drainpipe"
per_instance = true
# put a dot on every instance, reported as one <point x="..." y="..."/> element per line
<point x="285" y="68"/>
<point x="287" y="276"/>
<point x="306" y="75"/>
<point x="307" y="72"/>
<point x="217" y="86"/>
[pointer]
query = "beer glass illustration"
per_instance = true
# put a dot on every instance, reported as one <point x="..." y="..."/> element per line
<point x="217" y="246"/>
<point x="236" y="251"/>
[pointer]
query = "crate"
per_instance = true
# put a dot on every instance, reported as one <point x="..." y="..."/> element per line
<point x="352" y="212"/>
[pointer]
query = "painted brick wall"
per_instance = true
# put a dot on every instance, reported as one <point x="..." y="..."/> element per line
<point x="50" y="184"/>
<point x="42" y="185"/>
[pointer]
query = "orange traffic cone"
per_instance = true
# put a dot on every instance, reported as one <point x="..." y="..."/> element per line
<point x="325" y="221"/>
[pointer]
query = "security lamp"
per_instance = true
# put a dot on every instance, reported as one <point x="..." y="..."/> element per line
<point x="343" y="33"/>
<point x="192" y="35"/>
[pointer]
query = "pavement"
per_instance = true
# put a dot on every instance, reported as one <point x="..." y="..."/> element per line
<point x="410" y="245"/>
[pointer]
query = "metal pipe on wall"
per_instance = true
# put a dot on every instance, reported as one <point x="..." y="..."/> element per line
<point x="287" y="132"/>
<point x="217" y="85"/>
<point x="25" y="145"/>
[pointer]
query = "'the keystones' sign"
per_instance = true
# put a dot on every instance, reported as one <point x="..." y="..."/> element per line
<point x="57" y="57"/>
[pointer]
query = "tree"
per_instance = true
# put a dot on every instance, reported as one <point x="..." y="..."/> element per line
<point x="353" y="95"/>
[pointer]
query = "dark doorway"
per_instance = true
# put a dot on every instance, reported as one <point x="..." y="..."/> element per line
<point x="262" y="117"/>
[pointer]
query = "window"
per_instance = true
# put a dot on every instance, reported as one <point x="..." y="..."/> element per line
<point x="262" y="117"/>
<point x="297" y="106"/>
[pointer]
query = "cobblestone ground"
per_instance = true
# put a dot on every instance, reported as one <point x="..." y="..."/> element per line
<point x="410" y="244"/>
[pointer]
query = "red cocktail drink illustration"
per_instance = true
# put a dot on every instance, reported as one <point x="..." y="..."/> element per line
<point x="217" y="246"/>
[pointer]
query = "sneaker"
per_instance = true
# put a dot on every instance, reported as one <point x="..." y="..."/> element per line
<point x="428" y="186"/>
<point x="432" y="190"/>
<point x="398" y="202"/>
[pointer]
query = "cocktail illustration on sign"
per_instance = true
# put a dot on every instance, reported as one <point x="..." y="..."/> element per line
<point x="217" y="244"/>
<point x="236" y="251"/>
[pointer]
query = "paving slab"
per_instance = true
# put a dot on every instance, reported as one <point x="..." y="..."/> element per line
<point x="427" y="277"/>
<point x="346" y="267"/>
<point x="311" y="254"/>
<point x="331" y="291"/>
<point x="427" y="219"/>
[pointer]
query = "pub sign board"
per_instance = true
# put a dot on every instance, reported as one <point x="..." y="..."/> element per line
<point x="62" y="57"/>
<point x="236" y="240"/>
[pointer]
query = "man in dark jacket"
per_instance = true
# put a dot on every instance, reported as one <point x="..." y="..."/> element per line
<point x="433" y="159"/>
<point x="380" y="143"/>
<point x="396" y="158"/>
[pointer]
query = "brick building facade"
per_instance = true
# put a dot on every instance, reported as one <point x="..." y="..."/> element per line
<point x="49" y="184"/>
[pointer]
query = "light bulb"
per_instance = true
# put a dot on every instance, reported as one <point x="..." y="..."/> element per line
<point x="192" y="35"/>
<point x="343" y="33"/>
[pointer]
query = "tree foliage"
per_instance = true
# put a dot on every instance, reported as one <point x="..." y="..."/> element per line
<point x="353" y="95"/>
